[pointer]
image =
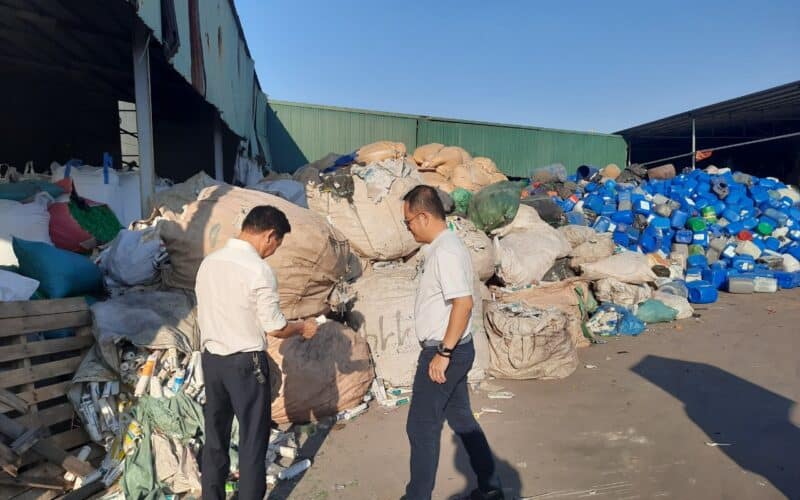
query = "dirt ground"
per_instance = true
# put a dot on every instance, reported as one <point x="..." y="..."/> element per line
<point x="702" y="408"/>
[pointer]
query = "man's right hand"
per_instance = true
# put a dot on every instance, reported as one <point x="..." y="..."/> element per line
<point x="310" y="328"/>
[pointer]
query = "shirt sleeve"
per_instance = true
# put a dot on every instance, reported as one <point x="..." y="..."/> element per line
<point x="265" y="289"/>
<point x="453" y="275"/>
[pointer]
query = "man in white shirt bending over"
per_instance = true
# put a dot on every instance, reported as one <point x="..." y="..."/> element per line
<point x="238" y="307"/>
<point x="442" y="316"/>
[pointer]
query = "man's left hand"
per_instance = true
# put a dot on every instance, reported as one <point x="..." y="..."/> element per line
<point x="437" y="368"/>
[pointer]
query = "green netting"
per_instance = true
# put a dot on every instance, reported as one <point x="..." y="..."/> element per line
<point x="99" y="221"/>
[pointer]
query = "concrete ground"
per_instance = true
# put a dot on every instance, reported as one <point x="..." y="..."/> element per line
<point x="702" y="408"/>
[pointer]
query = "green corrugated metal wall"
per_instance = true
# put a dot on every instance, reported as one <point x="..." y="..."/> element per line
<point x="300" y="133"/>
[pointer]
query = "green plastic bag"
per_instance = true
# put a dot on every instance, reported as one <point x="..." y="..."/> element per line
<point x="495" y="205"/>
<point x="655" y="311"/>
<point x="461" y="198"/>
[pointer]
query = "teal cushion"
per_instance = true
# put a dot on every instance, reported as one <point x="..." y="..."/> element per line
<point x="60" y="273"/>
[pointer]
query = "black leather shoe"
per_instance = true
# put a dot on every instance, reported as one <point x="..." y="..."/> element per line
<point x="491" y="495"/>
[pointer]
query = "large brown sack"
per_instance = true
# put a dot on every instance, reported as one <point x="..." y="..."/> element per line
<point x="662" y="172"/>
<point x="426" y="152"/>
<point x="627" y="267"/>
<point x="437" y="180"/>
<point x="383" y="313"/>
<point x="528" y="343"/>
<point x="446" y="160"/>
<point x="379" y="151"/>
<point x="178" y="196"/>
<point x="597" y="247"/>
<point x="320" y="377"/>
<point x="311" y="260"/>
<point x="563" y="296"/>
<point x="577" y="235"/>
<point x="476" y="174"/>
<point x="375" y="230"/>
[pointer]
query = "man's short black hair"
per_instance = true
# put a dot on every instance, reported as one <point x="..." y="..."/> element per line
<point x="265" y="217"/>
<point x="425" y="199"/>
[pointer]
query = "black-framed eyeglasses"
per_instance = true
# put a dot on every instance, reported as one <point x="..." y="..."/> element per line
<point x="407" y="222"/>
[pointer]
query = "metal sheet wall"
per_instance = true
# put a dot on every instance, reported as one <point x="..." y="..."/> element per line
<point x="301" y="133"/>
<point x="517" y="150"/>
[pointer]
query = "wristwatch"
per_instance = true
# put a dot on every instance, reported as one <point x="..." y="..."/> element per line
<point x="443" y="351"/>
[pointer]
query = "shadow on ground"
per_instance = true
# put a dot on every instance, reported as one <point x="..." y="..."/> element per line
<point x="509" y="477"/>
<point x="751" y="419"/>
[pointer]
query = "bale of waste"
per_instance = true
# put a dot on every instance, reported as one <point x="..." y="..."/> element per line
<point x="426" y="152"/>
<point x="372" y="221"/>
<point x="476" y="174"/>
<point x="494" y="206"/>
<point x="479" y="245"/>
<point x="438" y="181"/>
<point x="130" y="259"/>
<point x="318" y="377"/>
<point x="612" y="290"/>
<point x="288" y="189"/>
<point x="628" y="267"/>
<point x="379" y="151"/>
<point x="662" y="172"/>
<point x="383" y="314"/>
<point x="311" y="260"/>
<point x="446" y="160"/>
<point x="655" y="311"/>
<point x="174" y="199"/>
<point x="572" y="296"/>
<point x="598" y="247"/>
<point x="523" y="258"/>
<point x="577" y="235"/>
<point x="527" y="218"/>
<point x="611" y="171"/>
<point x="529" y="343"/>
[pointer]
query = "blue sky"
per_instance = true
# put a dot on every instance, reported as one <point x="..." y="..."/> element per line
<point x="582" y="65"/>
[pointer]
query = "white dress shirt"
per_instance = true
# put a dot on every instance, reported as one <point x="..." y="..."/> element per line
<point x="237" y="300"/>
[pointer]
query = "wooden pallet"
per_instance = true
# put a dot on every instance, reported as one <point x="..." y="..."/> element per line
<point x="35" y="374"/>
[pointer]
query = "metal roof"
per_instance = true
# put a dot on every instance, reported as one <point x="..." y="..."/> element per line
<point x="781" y="103"/>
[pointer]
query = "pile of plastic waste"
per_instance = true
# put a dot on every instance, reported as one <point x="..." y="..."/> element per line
<point x="715" y="229"/>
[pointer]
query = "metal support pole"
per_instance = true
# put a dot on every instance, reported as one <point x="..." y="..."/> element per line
<point x="694" y="145"/>
<point x="218" y="171"/>
<point x="144" y="116"/>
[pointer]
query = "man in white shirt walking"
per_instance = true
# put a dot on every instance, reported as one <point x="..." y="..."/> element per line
<point x="238" y="307"/>
<point x="442" y="316"/>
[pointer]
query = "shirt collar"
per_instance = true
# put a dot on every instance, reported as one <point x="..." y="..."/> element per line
<point x="242" y="245"/>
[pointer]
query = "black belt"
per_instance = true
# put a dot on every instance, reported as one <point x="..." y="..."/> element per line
<point x="435" y="343"/>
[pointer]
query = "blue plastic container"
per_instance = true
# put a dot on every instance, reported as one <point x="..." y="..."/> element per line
<point x="759" y="195"/>
<point x="593" y="203"/>
<point x="743" y="263"/>
<point x="621" y="238"/>
<point x="729" y="252"/>
<point x="734" y="228"/>
<point x="602" y="224"/>
<point x="642" y="206"/>
<point x="678" y="219"/>
<point x="780" y="218"/>
<point x="624" y="217"/>
<point x="699" y="261"/>
<point x="731" y="214"/>
<point x="586" y="172"/>
<point x="716" y="275"/>
<point x="750" y="223"/>
<point x="719" y="206"/>
<point x="788" y="280"/>
<point x="694" y="274"/>
<point x="609" y="208"/>
<point x="576" y="218"/>
<point x="683" y="236"/>
<point x="773" y="244"/>
<point x="660" y="223"/>
<point x="702" y="292"/>
<point x="700" y="238"/>
<point x="701" y="203"/>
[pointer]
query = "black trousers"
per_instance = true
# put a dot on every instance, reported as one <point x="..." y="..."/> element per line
<point x="232" y="388"/>
<point x="431" y="405"/>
